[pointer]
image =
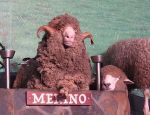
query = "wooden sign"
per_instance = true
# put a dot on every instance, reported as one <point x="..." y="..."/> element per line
<point x="51" y="98"/>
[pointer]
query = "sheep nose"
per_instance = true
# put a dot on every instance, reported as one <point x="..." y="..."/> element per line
<point x="106" y="85"/>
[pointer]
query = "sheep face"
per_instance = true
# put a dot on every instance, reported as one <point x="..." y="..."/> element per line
<point x="114" y="78"/>
<point x="68" y="36"/>
<point x="109" y="82"/>
<point x="67" y="29"/>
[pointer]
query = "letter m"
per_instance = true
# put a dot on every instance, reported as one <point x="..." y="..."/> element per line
<point x="39" y="99"/>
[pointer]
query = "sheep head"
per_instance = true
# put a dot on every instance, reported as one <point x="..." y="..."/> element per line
<point x="114" y="78"/>
<point x="67" y="27"/>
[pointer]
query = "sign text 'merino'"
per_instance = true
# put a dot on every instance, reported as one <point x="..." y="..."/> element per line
<point x="50" y="98"/>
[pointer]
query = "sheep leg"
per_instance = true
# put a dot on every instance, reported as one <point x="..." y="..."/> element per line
<point x="81" y="81"/>
<point x="65" y="86"/>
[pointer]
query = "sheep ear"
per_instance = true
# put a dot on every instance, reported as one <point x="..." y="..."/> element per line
<point x="87" y="35"/>
<point x="46" y="28"/>
<point x="127" y="81"/>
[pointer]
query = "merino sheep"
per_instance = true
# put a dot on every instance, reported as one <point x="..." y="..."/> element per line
<point x="146" y="108"/>
<point x="133" y="57"/>
<point x="115" y="91"/>
<point x="113" y="78"/>
<point x="61" y="62"/>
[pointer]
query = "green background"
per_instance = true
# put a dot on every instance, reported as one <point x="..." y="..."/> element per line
<point x="108" y="21"/>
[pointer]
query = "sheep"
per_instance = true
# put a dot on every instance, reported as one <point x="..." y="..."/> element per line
<point x="61" y="62"/>
<point x="113" y="78"/>
<point x="132" y="56"/>
<point x="146" y="104"/>
<point x="113" y="103"/>
<point x="115" y="92"/>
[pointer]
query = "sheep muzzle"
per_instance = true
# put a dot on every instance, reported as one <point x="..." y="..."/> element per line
<point x="109" y="82"/>
<point x="68" y="36"/>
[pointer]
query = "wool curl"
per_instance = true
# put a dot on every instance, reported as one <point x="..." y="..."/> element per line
<point x="133" y="57"/>
<point x="55" y="66"/>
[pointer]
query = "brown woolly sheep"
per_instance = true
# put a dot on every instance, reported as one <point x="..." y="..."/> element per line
<point x="61" y="62"/>
<point x="115" y="90"/>
<point x="133" y="57"/>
